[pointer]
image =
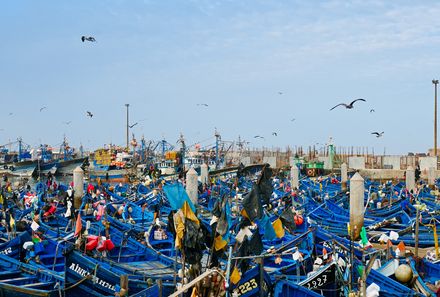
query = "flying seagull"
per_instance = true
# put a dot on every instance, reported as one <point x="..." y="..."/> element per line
<point x="89" y="114"/>
<point x="90" y="38"/>
<point x="202" y="104"/>
<point x="131" y="126"/>
<point x="372" y="110"/>
<point x="280" y="93"/>
<point x="258" y="136"/>
<point x="41" y="109"/>
<point x="378" y="134"/>
<point x="348" y="106"/>
<point x="67" y="123"/>
<point x="292" y="120"/>
<point x="274" y="134"/>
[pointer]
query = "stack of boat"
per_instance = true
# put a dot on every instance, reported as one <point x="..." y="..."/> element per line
<point x="247" y="234"/>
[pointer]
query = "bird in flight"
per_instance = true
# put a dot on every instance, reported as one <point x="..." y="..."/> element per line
<point x="280" y="93"/>
<point x="274" y="133"/>
<point x="10" y="113"/>
<point x="43" y="108"/>
<point x="89" y="114"/>
<point x="202" y="104"/>
<point x="292" y="120"/>
<point x="67" y="123"/>
<point x="372" y="110"/>
<point x="131" y="126"/>
<point x="348" y="106"/>
<point x="90" y="38"/>
<point x="258" y="136"/>
<point x="378" y="134"/>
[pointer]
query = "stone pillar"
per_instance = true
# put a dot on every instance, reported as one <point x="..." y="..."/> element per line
<point x="410" y="178"/>
<point x="431" y="177"/>
<point x="344" y="176"/>
<point x="294" y="177"/>
<point x="192" y="185"/>
<point x="357" y="190"/>
<point x="78" y="186"/>
<point x="204" y="175"/>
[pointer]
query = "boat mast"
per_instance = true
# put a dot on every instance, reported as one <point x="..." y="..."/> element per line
<point x="217" y="140"/>
<point x="19" y="149"/>
<point x="143" y="148"/>
<point x="65" y="148"/>
<point x="164" y="144"/>
<point x="182" y="151"/>
<point x="127" y="105"/>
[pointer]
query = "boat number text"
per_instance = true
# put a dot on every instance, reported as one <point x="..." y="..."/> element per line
<point x="246" y="287"/>
<point x="317" y="282"/>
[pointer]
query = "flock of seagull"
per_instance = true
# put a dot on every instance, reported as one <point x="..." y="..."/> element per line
<point x="346" y="105"/>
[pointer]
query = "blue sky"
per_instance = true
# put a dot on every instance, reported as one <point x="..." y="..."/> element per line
<point x="164" y="57"/>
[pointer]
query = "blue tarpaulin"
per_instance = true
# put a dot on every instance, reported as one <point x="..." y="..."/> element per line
<point x="177" y="195"/>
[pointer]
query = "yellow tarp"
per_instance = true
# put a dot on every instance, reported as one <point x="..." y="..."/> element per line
<point x="189" y="214"/>
<point x="278" y="227"/>
<point x="235" y="276"/>
<point x="219" y="243"/>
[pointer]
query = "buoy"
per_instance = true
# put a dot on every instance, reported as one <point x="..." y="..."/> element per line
<point x="403" y="273"/>
<point x="299" y="220"/>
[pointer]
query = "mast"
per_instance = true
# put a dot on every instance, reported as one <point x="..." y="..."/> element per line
<point x="217" y="140"/>
<point x="182" y="151"/>
<point x="164" y="146"/>
<point x="128" y="148"/>
<point x="19" y="149"/>
<point x="143" y="149"/>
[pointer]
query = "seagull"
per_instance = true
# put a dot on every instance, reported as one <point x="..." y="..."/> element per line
<point x="131" y="126"/>
<point x="258" y="136"/>
<point x="90" y="38"/>
<point x="372" y="110"/>
<point x="89" y="114"/>
<point x="280" y="93"/>
<point x="10" y="113"/>
<point x="378" y="134"/>
<point x="292" y="120"/>
<point x="274" y="134"/>
<point x="202" y="104"/>
<point x="67" y="123"/>
<point x="348" y="106"/>
<point x="41" y="109"/>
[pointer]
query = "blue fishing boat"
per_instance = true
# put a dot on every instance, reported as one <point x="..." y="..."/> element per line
<point x="21" y="280"/>
<point x="289" y="289"/>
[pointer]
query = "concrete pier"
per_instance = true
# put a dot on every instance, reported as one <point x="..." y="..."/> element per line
<point x="78" y="186"/>
<point x="431" y="177"/>
<point x="192" y="185"/>
<point x="357" y="190"/>
<point x="294" y="177"/>
<point x="410" y="178"/>
<point x="344" y="176"/>
<point x="204" y="175"/>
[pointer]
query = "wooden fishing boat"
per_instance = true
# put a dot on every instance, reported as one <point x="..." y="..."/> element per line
<point x="289" y="289"/>
<point x="20" y="280"/>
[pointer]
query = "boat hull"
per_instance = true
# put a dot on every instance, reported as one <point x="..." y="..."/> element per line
<point x="23" y="169"/>
<point x="112" y="175"/>
<point x="67" y="167"/>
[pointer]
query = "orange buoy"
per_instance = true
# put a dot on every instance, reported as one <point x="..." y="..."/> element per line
<point x="299" y="220"/>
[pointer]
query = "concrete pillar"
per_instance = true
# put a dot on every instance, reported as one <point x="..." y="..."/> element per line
<point x="410" y="178"/>
<point x="294" y="177"/>
<point x="344" y="176"/>
<point x="431" y="176"/>
<point x="204" y="175"/>
<point x="192" y="185"/>
<point x="357" y="190"/>
<point x="78" y="186"/>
